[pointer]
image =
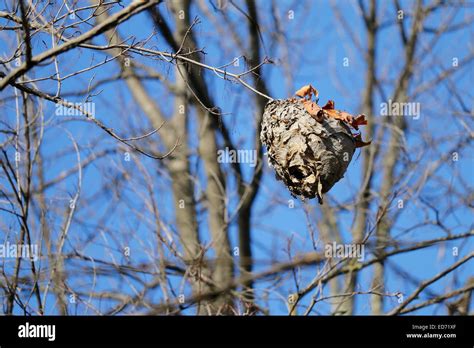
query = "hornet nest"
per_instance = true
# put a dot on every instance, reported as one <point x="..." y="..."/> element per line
<point x="310" y="147"/>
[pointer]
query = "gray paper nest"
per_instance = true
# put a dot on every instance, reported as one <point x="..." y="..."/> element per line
<point x="308" y="156"/>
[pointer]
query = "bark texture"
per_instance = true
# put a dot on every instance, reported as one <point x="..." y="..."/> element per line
<point x="308" y="156"/>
